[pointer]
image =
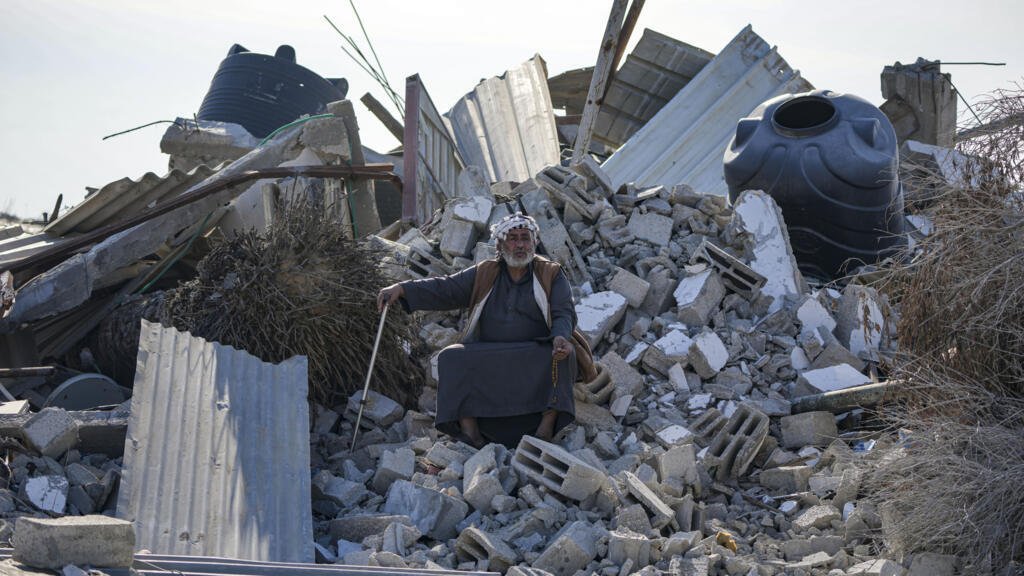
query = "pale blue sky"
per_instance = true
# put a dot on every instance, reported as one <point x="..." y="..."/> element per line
<point x="75" y="71"/>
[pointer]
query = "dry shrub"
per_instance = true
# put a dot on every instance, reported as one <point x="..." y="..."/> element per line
<point x="956" y="484"/>
<point x="301" y="288"/>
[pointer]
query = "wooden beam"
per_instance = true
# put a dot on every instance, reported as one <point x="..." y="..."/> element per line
<point x="602" y="70"/>
<point x="385" y="117"/>
<point x="627" y="30"/>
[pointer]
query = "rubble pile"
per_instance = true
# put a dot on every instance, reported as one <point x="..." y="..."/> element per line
<point x="687" y="455"/>
<point x="726" y="433"/>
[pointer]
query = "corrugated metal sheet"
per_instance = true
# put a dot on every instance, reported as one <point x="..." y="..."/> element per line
<point x="123" y="198"/>
<point x="684" y="143"/>
<point x="506" y="125"/>
<point x="657" y="69"/>
<point x="431" y="161"/>
<point x="217" y="455"/>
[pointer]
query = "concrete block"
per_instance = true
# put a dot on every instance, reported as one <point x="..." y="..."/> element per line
<point x="570" y="551"/>
<point x="15" y="407"/>
<point x="707" y="354"/>
<point x="786" y="479"/>
<point x="659" y="513"/>
<point x="526" y="571"/>
<point x="757" y="214"/>
<point x="52" y="543"/>
<point x="820" y="517"/>
<point x="625" y="545"/>
<point x="475" y="544"/>
<point x="707" y="425"/>
<point x="598" y="313"/>
<point x="633" y="288"/>
<point x="379" y="410"/>
<point x="654" y="228"/>
<point x="678" y="462"/>
<point x="552" y="466"/>
<point x="52" y="432"/>
<point x="432" y="512"/>
<point x="737" y="443"/>
<point x="671" y="349"/>
<point x="860" y="323"/>
<point x="458" y="238"/>
<point x="808" y="429"/>
<point x="829" y="379"/>
<point x="673" y="435"/>
<point x="735" y="275"/>
<point x="876" y="567"/>
<point x="659" y="297"/>
<point x="394" y="465"/>
<point x="698" y="296"/>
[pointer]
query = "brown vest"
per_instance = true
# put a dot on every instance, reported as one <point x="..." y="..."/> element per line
<point x="544" y="271"/>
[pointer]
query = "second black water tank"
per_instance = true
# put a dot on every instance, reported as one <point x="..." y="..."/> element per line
<point x="830" y="162"/>
<point x="263" y="92"/>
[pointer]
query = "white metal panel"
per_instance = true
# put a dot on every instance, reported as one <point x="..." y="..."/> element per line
<point x="216" y="459"/>
<point x="506" y="125"/>
<point x="684" y="143"/>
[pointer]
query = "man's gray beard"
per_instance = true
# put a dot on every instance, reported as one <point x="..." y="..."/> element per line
<point x="518" y="262"/>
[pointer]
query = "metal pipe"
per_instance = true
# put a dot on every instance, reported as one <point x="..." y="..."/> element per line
<point x="369" y="372"/>
<point x="845" y="399"/>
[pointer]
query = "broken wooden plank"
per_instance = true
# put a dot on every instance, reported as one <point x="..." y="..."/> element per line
<point x="385" y="117"/>
<point x="602" y="70"/>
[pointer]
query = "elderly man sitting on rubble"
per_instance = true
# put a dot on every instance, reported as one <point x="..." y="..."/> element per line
<point x="514" y="371"/>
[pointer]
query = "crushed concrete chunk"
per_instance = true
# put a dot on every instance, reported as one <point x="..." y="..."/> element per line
<point x="654" y="228"/>
<point x="570" y="551"/>
<point x="48" y="493"/>
<point x="633" y="288"/>
<point x="475" y="544"/>
<point x="876" y="567"/>
<point x="434" y="513"/>
<point x="698" y="296"/>
<point x="820" y="517"/>
<point x="555" y="468"/>
<point x="52" y="432"/>
<point x="707" y="354"/>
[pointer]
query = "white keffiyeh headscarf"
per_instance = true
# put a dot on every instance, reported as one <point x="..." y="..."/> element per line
<point x="513" y="221"/>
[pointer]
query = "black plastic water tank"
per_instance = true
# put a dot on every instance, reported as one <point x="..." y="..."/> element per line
<point x="830" y="162"/>
<point x="263" y="93"/>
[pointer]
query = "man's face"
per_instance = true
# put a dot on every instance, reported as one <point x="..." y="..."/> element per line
<point x="517" y="247"/>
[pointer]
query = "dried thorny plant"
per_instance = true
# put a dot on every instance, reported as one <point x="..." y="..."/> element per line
<point x="954" y="485"/>
<point x="301" y="288"/>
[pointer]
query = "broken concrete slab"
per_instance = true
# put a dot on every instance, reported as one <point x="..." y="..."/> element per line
<point x="378" y="409"/>
<point x="808" y="429"/>
<point x="820" y="516"/>
<point x="659" y="513"/>
<point x="573" y="548"/>
<point x="653" y="228"/>
<point x="53" y="543"/>
<point x="757" y="214"/>
<point x="48" y="493"/>
<point x="829" y="379"/>
<point x="860" y="322"/>
<point x="626" y="545"/>
<point x="598" y="313"/>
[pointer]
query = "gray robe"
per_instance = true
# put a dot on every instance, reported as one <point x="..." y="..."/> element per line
<point x="505" y="379"/>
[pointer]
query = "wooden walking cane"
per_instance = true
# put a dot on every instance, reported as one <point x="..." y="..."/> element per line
<point x="369" y="372"/>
